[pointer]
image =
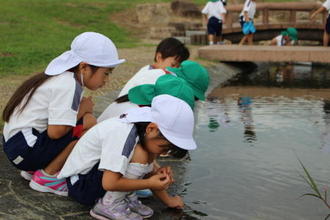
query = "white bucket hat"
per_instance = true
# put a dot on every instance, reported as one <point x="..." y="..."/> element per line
<point x="174" y="118"/>
<point x="90" y="47"/>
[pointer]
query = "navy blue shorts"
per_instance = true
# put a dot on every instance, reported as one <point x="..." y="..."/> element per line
<point x="27" y="158"/>
<point x="327" y="25"/>
<point x="241" y="21"/>
<point x="214" y="26"/>
<point x="88" y="188"/>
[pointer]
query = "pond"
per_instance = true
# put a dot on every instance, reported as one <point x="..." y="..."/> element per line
<point x="250" y="136"/>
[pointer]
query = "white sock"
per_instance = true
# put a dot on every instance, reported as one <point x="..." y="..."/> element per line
<point x="112" y="196"/>
<point x="211" y="43"/>
<point x="47" y="174"/>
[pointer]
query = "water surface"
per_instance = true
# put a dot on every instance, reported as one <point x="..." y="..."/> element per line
<point x="246" y="166"/>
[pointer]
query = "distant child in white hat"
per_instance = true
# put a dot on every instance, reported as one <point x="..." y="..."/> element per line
<point x="170" y="52"/>
<point x="47" y="114"/>
<point x="110" y="160"/>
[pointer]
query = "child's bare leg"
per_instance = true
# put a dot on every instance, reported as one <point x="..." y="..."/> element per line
<point x="211" y="39"/>
<point x="325" y="39"/>
<point x="250" y="39"/>
<point x="243" y="40"/>
<point x="56" y="164"/>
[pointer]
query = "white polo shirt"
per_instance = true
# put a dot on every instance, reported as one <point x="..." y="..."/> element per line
<point x="249" y="7"/>
<point x="326" y="4"/>
<point x="111" y="142"/>
<point x="115" y="109"/>
<point x="55" y="102"/>
<point x="280" y="41"/>
<point x="214" y="9"/>
<point x="146" y="75"/>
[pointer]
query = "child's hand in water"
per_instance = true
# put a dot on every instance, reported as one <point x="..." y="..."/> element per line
<point x="166" y="170"/>
<point x="175" y="202"/>
<point x="159" y="181"/>
<point x="86" y="105"/>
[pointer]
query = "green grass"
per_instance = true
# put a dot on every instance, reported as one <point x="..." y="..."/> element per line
<point x="35" y="31"/>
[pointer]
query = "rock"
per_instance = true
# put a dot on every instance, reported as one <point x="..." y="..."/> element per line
<point x="185" y="9"/>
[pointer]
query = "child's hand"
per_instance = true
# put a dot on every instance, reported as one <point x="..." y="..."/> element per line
<point x="86" y="105"/>
<point x="159" y="181"/>
<point x="168" y="171"/>
<point x="175" y="202"/>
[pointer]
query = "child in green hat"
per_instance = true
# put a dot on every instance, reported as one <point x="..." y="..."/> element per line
<point x="287" y="38"/>
<point x="196" y="76"/>
<point x="192" y="72"/>
<point x="170" y="52"/>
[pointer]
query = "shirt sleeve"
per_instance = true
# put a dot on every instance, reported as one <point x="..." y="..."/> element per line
<point x="326" y="4"/>
<point x="222" y="9"/>
<point x="64" y="103"/>
<point x="116" y="153"/>
<point x="206" y="9"/>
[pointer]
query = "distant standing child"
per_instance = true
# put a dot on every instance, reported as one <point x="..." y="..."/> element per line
<point x="214" y="14"/>
<point x="246" y="18"/>
<point x="324" y="7"/>
<point x="47" y="114"/>
<point x="170" y="52"/>
<point x="111" y="159"/>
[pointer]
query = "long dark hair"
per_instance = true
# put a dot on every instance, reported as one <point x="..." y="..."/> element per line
<point x="122" y="99"/>
<point x="29" y="87"/>
<point x="26" y="89"/>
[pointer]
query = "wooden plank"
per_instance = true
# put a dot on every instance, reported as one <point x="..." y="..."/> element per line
<point x="265" y="53"/>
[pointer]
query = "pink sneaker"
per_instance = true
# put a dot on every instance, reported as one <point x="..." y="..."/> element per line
<point x="44" y="183"/>
<point x="27" y="175"/>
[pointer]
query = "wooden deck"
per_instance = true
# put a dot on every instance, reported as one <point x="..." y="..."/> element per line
<point x="265" y="53"/>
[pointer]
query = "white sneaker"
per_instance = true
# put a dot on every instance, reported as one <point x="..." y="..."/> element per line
<point x="27" y="175"/>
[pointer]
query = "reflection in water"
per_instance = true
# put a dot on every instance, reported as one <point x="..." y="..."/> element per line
<point x="262" y="182"/>
<point x="244" y="104"/>
<point x="217" y="114"/>
<point x="325" y="136"/>
<point x="285" y="75"/>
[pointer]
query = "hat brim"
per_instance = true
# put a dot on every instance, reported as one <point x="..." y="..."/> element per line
<point x="187" y="143"/>
<point x="68" y="60"/>
<point x="139" y="114"/>
<point x="200" y="95"/>
<point x="176" y="71"/>
<point x="109" y="65"/>
<point x="142" y="95"/>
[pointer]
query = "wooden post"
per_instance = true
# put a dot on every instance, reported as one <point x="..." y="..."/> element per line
<point x="229" y="20"/>
<point x="292" y="16"/>
<point x="265" y="16"/>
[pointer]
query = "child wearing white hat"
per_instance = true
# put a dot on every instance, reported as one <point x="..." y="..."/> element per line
<point x="170" y="52"/>
<point x="47" y="114"/>
<point x="109" y="161"/>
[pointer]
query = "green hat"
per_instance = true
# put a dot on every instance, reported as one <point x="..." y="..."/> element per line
<point x="291" y="32"/>
<point x="166" y="84"/>
<point x="195" y="74"/>
<point x="214" y="0"/>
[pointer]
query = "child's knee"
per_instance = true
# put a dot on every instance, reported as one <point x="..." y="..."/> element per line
<point x="89" y="121"/>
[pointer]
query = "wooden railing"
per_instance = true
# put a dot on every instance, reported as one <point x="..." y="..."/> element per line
<point x="265" y="9"/>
